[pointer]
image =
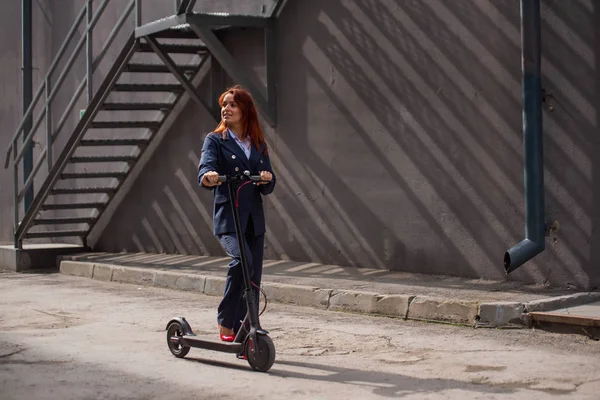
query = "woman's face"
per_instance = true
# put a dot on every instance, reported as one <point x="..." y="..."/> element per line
<point x="230" y="111"/>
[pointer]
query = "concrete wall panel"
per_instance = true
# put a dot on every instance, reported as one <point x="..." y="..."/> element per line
<point x="399" y="142"/>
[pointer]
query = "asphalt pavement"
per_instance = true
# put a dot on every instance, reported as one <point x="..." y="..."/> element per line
<point x="65" y="337"/>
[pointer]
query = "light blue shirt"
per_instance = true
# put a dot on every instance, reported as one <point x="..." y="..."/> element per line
<point x="244" y="145"/>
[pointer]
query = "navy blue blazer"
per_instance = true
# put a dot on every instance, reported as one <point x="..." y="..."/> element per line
<point x="227" y="158"/>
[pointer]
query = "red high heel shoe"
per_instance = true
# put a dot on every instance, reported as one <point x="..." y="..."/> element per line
<point x="227" y="336"/>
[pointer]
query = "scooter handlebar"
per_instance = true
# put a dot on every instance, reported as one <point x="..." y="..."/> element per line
<point x="246" y="176"/>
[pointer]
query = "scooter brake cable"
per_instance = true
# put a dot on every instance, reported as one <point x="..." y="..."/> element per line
<point x="265" y="296"/>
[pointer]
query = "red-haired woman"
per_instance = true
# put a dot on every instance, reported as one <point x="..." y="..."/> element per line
<point x="237" y="145"/>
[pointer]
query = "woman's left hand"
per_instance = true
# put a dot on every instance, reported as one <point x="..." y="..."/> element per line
<point x="266" y="178"/>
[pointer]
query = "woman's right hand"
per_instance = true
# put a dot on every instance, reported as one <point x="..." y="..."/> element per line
<point x="211" y="179"/>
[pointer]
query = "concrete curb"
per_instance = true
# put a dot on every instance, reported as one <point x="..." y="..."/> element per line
<point x="515" y="313"/>
<point x="445" y="310"/>
<point x="403" y="306"/>
<point x="573" y="300"/>
<point x="500" y="314"/>
<point x="298" y="295"/>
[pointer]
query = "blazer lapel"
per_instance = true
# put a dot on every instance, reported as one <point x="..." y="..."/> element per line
<point x="256" y="158"/>
<point x="231" y="145"/>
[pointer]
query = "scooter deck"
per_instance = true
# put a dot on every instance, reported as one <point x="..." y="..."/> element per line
<point x="210" y="344"/>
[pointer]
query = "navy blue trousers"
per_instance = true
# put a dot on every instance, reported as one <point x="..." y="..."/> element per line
<point x="232" y="308"/>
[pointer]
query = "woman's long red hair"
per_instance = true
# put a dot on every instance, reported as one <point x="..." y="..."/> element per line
<point x="250" y="124"/>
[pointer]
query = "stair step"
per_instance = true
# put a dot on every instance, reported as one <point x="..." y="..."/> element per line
<point x="90" y="175"/>
<point x="106" y="190"/>
<point x="114" y="142"/>
<point x="136" y="106"/>
<point x="157" y="68"/>
<point x="148" y="87"/>
<point x="175" y="34"/>
<point x="95" y="159"/>
<point x="125" y="124"/>
<point x="34" y="235"/>
<point x="74" y="206"/>
<point x="175" y="48"/>
<point x="64" y="221"/>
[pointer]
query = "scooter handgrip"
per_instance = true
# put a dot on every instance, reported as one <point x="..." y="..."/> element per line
<point x="255" y="178"/>
<point x="222" y="178"/>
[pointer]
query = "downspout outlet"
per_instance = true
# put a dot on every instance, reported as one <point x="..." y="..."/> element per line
<point x="522" y="252"/>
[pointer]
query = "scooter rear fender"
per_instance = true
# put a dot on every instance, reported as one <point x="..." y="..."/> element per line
<point x="187" y="329"/>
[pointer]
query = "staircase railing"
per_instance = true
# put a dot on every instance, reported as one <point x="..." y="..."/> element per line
<point x="42" y="101"/>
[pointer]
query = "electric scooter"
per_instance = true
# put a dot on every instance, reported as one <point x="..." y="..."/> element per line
<point x="251" y="341"/>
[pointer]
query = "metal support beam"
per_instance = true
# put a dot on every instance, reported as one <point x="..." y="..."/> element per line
<point x="27" y="94"/>
<point x="168" y="61"/>
<point x="185" y="6"/>
<point x="138" y="13"/>
<point x="49" y="135"/>
<point x="232" y="68"/>
<point x="531" y="56"/>
<point x="277" y="8"/>
<point x="89" y="53"/>
<point x="217" y="86"/>
<point x="270" y="60"/>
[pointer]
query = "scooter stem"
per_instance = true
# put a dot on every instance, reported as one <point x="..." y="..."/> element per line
<point x="248" y="292"/>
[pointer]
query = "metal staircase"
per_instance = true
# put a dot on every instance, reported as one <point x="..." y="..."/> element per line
<point x="123" y="116"/>
<point x="103" y="173"/>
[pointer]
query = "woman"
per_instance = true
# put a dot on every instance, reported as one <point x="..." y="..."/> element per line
<point x="237" y="145"/>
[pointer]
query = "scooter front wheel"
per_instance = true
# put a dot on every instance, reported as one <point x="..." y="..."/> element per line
<point x="174" y="334"/>
<point x="260" y="353"/>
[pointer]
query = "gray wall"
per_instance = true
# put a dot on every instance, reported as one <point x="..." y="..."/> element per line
<point x="399" y="143"/>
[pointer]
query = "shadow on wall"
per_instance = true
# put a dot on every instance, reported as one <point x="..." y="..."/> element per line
<point x="399" y="144"/>
<point x="433" y="94"/>
<point x="595" y="208"/>
<point x="419" y="132"/>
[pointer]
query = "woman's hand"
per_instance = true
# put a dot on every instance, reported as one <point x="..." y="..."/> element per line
<point x="211" y="179"/>
<point x="265" y="177"/>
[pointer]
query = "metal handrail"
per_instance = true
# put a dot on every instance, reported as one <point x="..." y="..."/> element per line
<point x="65" y="71"/>
<point x="29" y="110"/>
<point x="61" y="77"/>
<point x="69" y="107"/>
<point x="50" y="89"/>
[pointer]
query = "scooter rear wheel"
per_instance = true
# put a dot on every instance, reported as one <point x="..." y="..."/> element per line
<point x="260" y="354"/>
<point x="175" y="331"/>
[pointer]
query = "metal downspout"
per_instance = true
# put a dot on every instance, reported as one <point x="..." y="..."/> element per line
<point x="27" y="93"/>
<point x="533" y="243"/>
